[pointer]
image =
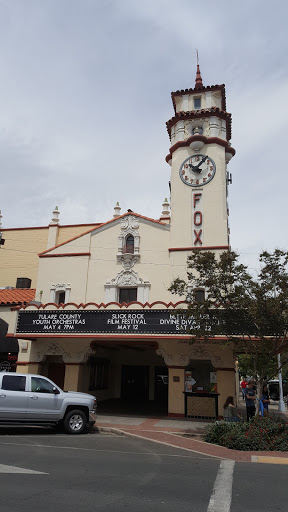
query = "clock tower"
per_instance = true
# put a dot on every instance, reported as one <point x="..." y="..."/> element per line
<point x="200" y="133"/>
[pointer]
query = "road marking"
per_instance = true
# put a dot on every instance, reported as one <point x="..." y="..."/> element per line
<point x="138" y="436"/>
<point x="121" y="452"/>
<point x="270" y="460"/>
<point x="221" y="496"/>
<point x="14" y="469"/>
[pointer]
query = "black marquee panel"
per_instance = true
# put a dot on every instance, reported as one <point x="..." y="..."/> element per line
<point x="103" y="321"/>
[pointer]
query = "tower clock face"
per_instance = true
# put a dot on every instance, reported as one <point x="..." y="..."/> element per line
<point x="197" y="170"/>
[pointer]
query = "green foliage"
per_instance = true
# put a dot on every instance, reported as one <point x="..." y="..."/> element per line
<point x="250" y="312"/>
<point x="247" y="365"/>
<point x="260" y="434"/>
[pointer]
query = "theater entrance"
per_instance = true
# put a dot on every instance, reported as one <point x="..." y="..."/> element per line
<point x="135" y="383"/>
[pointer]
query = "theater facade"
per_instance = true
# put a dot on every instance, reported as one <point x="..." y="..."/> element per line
<point x="104" y="320"/>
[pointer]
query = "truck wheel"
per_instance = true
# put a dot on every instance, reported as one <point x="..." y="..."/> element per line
<point x="75" y="422"/>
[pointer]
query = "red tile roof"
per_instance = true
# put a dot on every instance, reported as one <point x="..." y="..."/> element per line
<point x="17" y="296"/>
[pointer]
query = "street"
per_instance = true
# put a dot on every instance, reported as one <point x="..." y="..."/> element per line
<point x="107" y="472"/>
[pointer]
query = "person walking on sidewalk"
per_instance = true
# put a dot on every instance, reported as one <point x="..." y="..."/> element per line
<point x="250" y="399"/>
<point x="243" y="385"/>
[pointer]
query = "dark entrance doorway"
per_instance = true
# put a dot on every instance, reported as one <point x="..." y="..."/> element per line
<point x="135" y="383"/>
<point x="161" y="384"/>
<point x="56" y="372"/>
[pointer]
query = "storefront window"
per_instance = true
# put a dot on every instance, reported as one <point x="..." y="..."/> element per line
<point x="200" y="372"/>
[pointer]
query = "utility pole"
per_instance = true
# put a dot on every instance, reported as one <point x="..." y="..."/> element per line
<point x="281" y="406"/>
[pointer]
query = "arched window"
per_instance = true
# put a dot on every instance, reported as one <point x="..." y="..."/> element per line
<point x="60" y="293"/>
<point x="129" y="245"/>
<point x="60" y="297"/>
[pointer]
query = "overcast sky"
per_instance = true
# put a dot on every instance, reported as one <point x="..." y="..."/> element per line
<point x="85" y="93"/>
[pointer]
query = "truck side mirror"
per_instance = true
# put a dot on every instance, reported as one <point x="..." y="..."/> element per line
<point x="55" y="391"/>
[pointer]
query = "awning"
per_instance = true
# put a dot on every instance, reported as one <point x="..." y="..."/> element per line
<point x="8" y="344"/>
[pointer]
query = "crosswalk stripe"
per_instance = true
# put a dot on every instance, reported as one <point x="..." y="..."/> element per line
<point x="14" y="469"/>
<point x="220" y="500"/>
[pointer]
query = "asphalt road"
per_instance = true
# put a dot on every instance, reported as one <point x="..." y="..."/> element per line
<point x="105" y="472"/>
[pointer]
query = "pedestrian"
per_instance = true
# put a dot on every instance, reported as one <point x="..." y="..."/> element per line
<point x="250" y="398"/>
<point x="229" y="410"/>
<point x="243" y="385"/>
<point x="265" y="400"/>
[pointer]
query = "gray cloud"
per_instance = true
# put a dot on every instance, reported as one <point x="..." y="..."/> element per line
<point x="85" y="93"/>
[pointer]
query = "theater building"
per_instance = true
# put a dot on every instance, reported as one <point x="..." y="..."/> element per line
<point x="103" y="319"/>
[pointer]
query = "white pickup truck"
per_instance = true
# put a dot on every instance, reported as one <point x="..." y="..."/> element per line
<point x="36" y="400"/>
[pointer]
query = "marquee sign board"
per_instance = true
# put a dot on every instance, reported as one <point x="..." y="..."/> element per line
<point x="103" y="321"/>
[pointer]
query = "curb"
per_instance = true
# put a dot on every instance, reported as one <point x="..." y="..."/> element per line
<point x="207" y="448"/>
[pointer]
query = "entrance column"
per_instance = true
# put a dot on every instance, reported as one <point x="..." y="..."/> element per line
<point x="73" y="377"/>
<point x="176" y="399"/>
<point x="28" y="368"/>
<point x="225" y="386"/>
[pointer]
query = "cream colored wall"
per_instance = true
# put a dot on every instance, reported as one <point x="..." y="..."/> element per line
<point x="209" y="99"/>
<point x="72" y="377"/>
<point x="153" y="265"/>
<point x="72" y="270"/>
<point x="225" y="388"/>
<point x="176" y="403"/>
<point x="212" y="204"/>
<point x="29" y="368"/>
<point x="88" y="275"/>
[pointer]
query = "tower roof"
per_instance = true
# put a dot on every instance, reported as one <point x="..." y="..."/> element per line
<point x="213" y="88"/>
<point x="198" y="80"/>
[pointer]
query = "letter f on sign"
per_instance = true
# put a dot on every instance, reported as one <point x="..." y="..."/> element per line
<point x="196" y="198"/>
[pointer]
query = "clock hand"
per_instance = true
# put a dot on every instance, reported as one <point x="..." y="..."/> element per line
<point x="203" y="160"/>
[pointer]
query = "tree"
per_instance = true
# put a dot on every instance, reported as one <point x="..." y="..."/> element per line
<point x="251" y="312"/>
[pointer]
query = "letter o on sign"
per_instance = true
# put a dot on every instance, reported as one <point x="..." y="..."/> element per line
<point x="197" y="218"/>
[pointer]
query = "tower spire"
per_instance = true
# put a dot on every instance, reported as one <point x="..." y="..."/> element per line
<point x="198" y="81"/>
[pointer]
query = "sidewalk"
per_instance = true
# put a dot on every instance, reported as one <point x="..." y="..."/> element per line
<point x="185" y="434"/>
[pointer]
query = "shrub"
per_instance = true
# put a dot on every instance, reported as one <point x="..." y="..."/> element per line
<point x="260" y="434"/>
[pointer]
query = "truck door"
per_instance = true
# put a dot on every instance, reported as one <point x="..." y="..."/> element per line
<point x="13" y="398"/>
<point x="43" y="403"/>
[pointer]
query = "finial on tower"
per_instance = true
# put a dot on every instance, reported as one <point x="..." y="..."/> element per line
<point x="198" y="81"/>
<point x="117" y="210"/>
<point x="55" y="218"/>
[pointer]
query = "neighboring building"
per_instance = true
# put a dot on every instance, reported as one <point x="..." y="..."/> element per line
<point x="103" y="319"/>
<point x="9" y="298"/>
<point x="19" y="254"/>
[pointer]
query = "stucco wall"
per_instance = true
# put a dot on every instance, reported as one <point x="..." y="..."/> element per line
<point x="212" y="203"/>
<point x="19" y="254"/>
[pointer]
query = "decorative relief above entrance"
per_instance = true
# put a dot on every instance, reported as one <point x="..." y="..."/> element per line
<point x="127" y="278"/>
<point x="202" y="353"/>
<point x="56" y="350"/>
<point x="197" y="353"/>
